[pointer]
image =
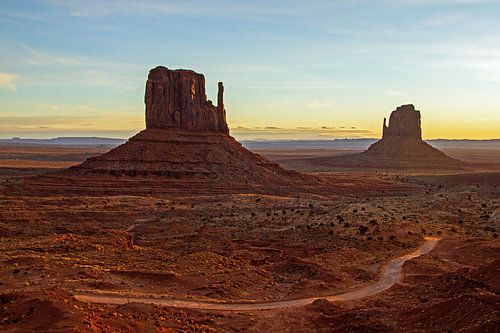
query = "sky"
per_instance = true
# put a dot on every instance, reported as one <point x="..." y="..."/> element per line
<point x="291" y="69"/>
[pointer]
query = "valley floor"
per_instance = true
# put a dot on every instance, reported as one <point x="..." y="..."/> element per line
<point x="254" y="248"/>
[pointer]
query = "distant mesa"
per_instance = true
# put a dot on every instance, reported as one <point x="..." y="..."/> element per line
<point x="186" y="138"/>
<point x="401" y="147"/>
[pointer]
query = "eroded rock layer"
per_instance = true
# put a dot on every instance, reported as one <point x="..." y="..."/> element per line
<point x="183" y="154"/>
<point x="186" y="142"/>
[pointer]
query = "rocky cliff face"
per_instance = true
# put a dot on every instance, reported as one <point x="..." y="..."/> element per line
<point x="403" y="122"/>
<point x="177" y="99"/>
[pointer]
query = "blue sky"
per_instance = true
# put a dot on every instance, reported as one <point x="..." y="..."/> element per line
<point x="292" y="69"/>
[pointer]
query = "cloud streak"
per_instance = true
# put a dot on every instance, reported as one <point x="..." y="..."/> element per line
<point x="38" y="58"/>
<point x="7" y="80"/>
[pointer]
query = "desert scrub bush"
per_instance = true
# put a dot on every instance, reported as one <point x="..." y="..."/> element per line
<point x="362" y="229"/>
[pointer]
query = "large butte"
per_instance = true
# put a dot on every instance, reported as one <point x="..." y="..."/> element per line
<point x="186" y="138"/>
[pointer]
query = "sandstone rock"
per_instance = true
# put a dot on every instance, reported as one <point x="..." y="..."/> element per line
<point x="177" y="99"/>
<point x="404" y="121"/>
<point x="402" y="140"/>
<point x="401" y="147"/>
<point x="186" y="144"/>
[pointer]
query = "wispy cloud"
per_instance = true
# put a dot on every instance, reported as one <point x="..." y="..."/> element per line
<point x="481" y="59"/>
<point x="445" y="20"/>
<point x="256" y="9"/>
<point x="40" y="58"/>
<point x="216" y="8"/>
<point x="48" y="68"/>
<point x="7" y="80"/>
<point x="395" y="93"/>
<point x="319" y="104"/>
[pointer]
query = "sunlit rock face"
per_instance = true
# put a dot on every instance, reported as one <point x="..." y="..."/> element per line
<point x="177" y="99"/>
<point x="404" y="122"/>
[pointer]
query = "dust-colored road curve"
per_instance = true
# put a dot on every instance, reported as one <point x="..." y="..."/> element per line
<point x="390" y="275"/>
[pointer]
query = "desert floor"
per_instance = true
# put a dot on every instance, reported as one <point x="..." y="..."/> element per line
<point x="251" y="248"/>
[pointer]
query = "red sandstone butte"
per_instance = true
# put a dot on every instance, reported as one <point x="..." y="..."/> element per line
<point x="401" y="147"/>
<point x="186" y="138"/>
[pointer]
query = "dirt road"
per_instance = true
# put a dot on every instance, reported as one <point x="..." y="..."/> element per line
<point x="390" y="275"/>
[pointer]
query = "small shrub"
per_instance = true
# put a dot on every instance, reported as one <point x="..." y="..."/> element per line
<point x="362" y="229"/>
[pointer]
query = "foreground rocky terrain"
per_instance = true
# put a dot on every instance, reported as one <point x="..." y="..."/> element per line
<point x="254" y="248"/>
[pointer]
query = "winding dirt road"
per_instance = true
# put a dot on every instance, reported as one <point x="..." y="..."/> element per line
<point x="390" y="275"/>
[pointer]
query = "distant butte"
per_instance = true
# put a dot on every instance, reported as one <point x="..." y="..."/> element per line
<point x="401" y="147"/>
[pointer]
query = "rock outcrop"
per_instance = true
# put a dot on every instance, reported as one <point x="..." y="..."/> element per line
<point x="186" y="144"/>
<point x="403" y="122"/>
<point x="401" y="147"/>
<point x="177" y="99"/>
